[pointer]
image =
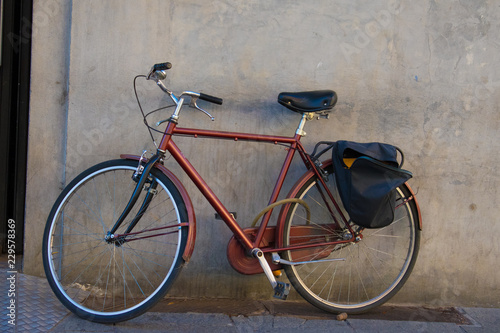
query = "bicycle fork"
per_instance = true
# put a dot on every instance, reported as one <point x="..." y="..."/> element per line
<point x="144" y="174"/>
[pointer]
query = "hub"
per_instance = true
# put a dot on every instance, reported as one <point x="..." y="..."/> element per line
<point x="117" y="241"/>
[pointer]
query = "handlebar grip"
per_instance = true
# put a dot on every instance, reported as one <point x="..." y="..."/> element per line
<point x="162" y="66"/>
<point x="211" y="99"/>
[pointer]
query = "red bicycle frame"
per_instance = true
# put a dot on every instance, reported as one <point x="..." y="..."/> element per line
<point x="167" y="144"/>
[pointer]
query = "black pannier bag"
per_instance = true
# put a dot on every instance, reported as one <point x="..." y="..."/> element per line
<point x="367" y="187"/>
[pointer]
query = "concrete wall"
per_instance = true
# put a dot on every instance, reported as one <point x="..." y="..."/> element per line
<point x="420" y="74"/>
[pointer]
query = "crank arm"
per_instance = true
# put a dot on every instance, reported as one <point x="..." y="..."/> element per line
<point x="257" y="253"/>
<point x="281" y="289"/>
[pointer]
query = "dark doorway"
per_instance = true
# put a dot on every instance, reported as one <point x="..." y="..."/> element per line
<point x="16" y="21"/>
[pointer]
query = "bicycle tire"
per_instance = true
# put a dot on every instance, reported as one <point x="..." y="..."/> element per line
<point x="376" y="266"/>
<point x="104" y="281"/>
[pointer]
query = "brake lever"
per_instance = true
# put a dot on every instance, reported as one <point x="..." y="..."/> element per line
<point x="194" y="104"/>
<point x="162" y="121"/>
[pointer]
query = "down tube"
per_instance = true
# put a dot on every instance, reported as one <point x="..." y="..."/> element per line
<point x="209" y="194"/>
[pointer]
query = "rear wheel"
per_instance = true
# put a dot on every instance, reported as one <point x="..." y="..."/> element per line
<point x="376" y="265"/>
<point x="111" y="281"/>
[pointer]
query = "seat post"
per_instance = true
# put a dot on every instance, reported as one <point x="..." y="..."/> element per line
<point x="305" y="117"/>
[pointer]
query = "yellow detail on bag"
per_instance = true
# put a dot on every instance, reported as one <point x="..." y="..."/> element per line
<point x="348" y="161"/>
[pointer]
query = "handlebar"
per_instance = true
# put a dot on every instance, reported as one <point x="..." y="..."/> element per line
<point x="211" y="99"/>
<point x="162" y="66"/>
<point x="158" y="73"/>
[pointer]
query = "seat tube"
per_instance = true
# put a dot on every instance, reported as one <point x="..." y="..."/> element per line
<point x="277" y="189"/>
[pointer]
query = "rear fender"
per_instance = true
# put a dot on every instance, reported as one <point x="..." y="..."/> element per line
<point x="416" y="204"/>
<point x="188" y="251"/>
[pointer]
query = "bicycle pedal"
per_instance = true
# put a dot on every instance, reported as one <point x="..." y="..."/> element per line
<point x="281" y="290"/>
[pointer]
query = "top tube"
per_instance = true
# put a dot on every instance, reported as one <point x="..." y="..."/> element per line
<point x="235" y="135"/>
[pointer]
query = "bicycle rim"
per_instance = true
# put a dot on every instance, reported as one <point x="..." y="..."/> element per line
<point x="369" y="272"/>
<point x="113" y="281"/>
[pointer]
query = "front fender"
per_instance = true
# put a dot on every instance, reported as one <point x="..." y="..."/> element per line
<point x="188" y="251"/>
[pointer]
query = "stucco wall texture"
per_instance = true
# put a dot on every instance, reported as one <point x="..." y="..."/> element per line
<point x="423" y="75"/>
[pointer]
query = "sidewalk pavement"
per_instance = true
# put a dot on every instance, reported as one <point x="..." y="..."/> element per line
<point x="37" y="310"/>
<point x="473" y="320"/>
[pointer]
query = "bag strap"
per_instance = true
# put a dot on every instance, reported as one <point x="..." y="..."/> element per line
<point x="402" y="156"/>
<point x="330" y="145"/>
<point x="315" y="156"/>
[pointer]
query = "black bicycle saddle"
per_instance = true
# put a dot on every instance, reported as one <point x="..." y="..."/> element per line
<point x="308" y="101"/>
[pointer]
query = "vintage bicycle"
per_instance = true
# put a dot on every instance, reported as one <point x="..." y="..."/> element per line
<point x="120" y="232"/>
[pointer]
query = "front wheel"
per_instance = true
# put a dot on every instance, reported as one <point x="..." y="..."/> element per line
<point x="373" y="268"/>
<point x="107" y="280"/>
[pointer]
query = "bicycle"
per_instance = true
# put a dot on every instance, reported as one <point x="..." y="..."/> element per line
<point x="120" y="232"/>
